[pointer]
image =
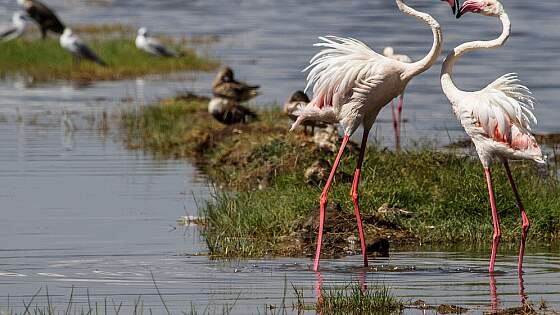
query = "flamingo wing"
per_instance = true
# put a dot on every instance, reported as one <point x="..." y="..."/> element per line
<point x="344" y="69"/>
<point x="502" y="112"/>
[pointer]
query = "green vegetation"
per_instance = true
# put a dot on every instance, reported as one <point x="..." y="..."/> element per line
<point x="267" y="206"/>
<point x="42" y="60"/>
<point x="352" y="299"/>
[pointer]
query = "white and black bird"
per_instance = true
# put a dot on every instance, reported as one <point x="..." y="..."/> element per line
<point x="152" y="45"/>
<point x="45" y="18"/>
<point x="18" y="27"/>
<point x="228" y="111"/>
<point x="72" y="43"/>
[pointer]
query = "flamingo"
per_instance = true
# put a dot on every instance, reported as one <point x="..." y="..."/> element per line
<point x="43" y="15"/>
<point x="497" y="118"/>
<point x="390" y="53"/>
<point x="351" y="84"/>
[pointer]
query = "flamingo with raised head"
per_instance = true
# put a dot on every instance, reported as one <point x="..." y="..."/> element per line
<point x="497" y="118"/>
<point x="396" y="114"/>
<point x="351" y="84"/>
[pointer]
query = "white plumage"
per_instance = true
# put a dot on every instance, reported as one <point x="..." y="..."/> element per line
<point x="72" y="43"/>
<point x="351" y="83"/>
<point x="18" y="27"/>
<point x="497" y="118"/>
<point x="152" y="45"/>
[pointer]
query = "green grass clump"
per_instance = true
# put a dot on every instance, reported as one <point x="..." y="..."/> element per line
<point x="262" y="165"/>
<point x="43" y="60"/>
<point x="352" y="299"/>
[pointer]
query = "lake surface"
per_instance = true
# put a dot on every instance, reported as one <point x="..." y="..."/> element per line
<point x="79" y="210"/>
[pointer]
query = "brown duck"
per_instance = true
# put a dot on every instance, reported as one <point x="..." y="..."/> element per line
<point x="226" y="86"/>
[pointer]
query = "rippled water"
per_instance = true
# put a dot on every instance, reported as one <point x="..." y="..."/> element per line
<point x="78" y="210"/>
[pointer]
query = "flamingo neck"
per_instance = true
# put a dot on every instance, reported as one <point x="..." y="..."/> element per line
<point x="447" y="84"/>
<point x="428" y="61"/>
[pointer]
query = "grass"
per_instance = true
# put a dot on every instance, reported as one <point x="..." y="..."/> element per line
<point x="44" y="60"/>
<point x="351" y="299"/>
<point x="266" y="202"/>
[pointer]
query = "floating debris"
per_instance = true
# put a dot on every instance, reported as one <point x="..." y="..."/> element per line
<point x="191" y="220"/>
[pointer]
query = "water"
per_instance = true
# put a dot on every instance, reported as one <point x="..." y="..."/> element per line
<point x="79" y="210"/>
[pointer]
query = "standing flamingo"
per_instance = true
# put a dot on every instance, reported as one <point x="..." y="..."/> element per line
<point x="497" y="118"/>
<point x="397" y="121"/>
<point x="351" y="84"/>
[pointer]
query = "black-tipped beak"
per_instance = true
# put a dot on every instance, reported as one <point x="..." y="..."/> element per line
<point x="457" y="9"/>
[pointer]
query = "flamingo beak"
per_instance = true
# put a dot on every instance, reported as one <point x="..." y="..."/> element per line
<point x="454" y="4"/>
<point x="473" y="6"/>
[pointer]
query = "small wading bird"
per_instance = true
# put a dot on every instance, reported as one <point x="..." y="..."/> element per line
<point x="351" y="84"/>
<point x="397" y="113"/>
<point x="43" y="16"/>
<point x="152" y="45"/>
<point x="228" y="93"/>
<point x="296" y="102"/>
<point x="72" y="43"/>
<point x="496" y="118"/>
<point x="18" y="27"/>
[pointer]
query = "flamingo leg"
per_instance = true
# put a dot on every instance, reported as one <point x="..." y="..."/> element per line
<point x="399" y="120"/>
<point x="323" y="201"/>
<point x="354" y="194"/>
<point x="493" y="294"/>
<point x="395" y="124"/>
<point x="525" y="220"/>
<point x="495" y="219"/>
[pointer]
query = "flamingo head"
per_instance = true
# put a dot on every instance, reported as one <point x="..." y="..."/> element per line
<point x="454" y="5"/>
<point x="485" y="7"/>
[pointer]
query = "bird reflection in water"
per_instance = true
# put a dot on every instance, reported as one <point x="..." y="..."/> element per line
<point x="495" y="302"/>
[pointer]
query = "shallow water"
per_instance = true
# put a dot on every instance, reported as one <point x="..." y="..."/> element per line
<point x="78" y="210"/>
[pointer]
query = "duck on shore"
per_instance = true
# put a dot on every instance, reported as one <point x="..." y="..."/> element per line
<point x="227" y="94"/>
<point x="226" y="86"/>
<point x="229" y="112"/>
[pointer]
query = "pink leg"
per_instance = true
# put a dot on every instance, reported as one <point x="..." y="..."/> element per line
<point x="493" y="294"/>
<point x="495" y="219"/>
<point x="323" y="201"/>
<point x="399" y="120"/>
<point x="395" y="125"/>
<point x="354" y="194"/>
<point x="522" y="294"/>
<point x="525" y="220"/>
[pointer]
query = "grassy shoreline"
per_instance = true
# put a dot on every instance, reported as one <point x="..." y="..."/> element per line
<point x="268" y="209"/>
<point x="44" y="60"/>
